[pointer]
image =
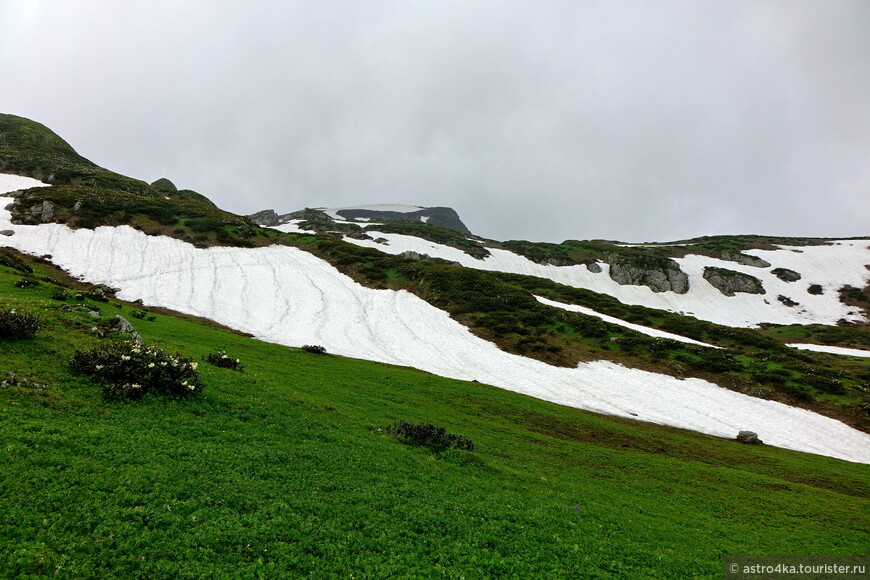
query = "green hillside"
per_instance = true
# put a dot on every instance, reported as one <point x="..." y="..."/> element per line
<point x="286" y="470"/>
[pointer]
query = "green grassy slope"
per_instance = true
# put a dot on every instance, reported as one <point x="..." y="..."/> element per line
<point x="280" y="471"/>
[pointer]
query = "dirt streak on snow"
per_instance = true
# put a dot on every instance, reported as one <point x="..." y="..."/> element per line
<point x="612" y="319"/>
<point x="287" y="296"/>
<point x="831" y="266"/>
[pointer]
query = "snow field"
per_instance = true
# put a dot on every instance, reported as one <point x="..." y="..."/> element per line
<point x="287" y="296"/>
<point x="831" y="266"/>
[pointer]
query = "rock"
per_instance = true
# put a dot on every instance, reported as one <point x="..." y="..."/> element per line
<point x="47" y="212"/>
<point x="267" y="217"/>
<point x="77" y="207"/>
<point x="786" y="275"/>
<point x="787" y="301"/>
<point x="127" y="328"/>
<point x="745" y="259"/>
<point x="93" y="314"/>
<point x="749" y="438"/>
<point x="815" y="289"/>
<point x="594" y="267"/>
<point x="7" y="232"/>
<point x="728" y="282"/>
<point x="660" y="276"/>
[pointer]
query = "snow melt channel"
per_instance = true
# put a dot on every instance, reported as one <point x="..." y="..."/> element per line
<point x="287" y="296"/>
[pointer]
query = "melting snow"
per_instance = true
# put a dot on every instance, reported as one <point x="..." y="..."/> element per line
<point x="642" y="329"/>
<point x="831" y="266"/>
<point x="287" y="296"/>
<point x="831" y="349"/>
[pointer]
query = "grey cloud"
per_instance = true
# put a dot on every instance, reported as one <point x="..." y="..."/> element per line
<point x="547" y="120"/>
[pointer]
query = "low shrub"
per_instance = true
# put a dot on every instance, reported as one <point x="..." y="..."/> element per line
<point x="58" y="294"/>
<point x="220" y="359"/>
<point x="131" y="370"/>
<point x="428" y="435"/>
<point x="17" y="325"/>
<point x="25" y="283"/>
<point x="140" y="314"/>
<point x="314" y="348"/>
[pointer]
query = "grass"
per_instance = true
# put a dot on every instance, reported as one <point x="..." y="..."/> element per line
<point x="286" y="470"/>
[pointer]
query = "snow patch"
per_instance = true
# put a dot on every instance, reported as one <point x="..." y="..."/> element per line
<point x="642" y="329"/>
<point x="833" y="266"/>
<point x="831" y="349"/>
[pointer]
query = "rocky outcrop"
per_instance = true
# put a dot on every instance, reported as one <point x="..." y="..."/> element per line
<point x="593" y="267"/>
<point x="444" y="217"/>
<point x="786" y="275"/>
<point x="267" y="218"/>
<point x="729" y="282"/>
<point x="418" y="256"/>
<point x="749" y="438"/>
<point x="745" y="259"/>
<point x="43" y="213"/>
<point x="123" y="325"/>
<point x="660" y="274"/>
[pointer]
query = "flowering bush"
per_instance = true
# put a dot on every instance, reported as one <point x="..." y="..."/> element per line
<point x="428" y="435"/>
<point x="18" y="324"/>
<point x="131" y="370"/>
<point x="220" y="359"/>
<point x="26" y="283"/>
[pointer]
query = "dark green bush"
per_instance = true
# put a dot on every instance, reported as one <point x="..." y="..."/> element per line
<point x="314" y="348"/>
<point x="25" y="283"/>
<point x="17" y="325"/>
<point x="58" y="294"/>
<point x="428" y="435"/>
<point x="144" y="369"/>
<point x="12" y="261"/>
<point x="220" y="359"/>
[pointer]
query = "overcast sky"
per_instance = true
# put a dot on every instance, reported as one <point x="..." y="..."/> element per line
<point x="649" y="120"/>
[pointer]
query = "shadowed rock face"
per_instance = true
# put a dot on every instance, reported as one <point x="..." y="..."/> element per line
<point x="663" y="277"/>
<point x="729" y="282"/>
<point x="444" y="217"/>
<point x="267" y="217"/>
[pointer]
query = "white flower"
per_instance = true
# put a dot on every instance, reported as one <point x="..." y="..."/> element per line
<point x="191" y="387"/>
<point x="224" y="356"/>
<point x="125" y="357"/>
<point x="151" y="365"/>
<point x="99" y="367"/>
<point x="193" y="365"/>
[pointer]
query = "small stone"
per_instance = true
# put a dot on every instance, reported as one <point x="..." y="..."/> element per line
<point x="7" y="232"/>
